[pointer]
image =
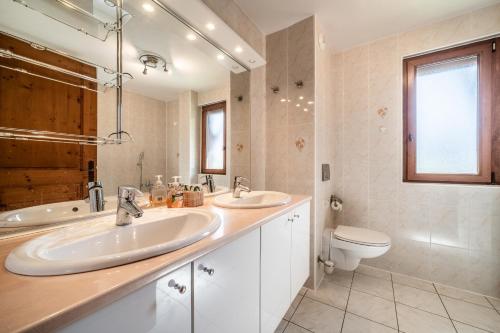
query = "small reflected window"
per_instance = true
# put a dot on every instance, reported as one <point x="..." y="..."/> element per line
<point x="214" y="138"/>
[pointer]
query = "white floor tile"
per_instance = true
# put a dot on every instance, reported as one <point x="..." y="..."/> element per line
<point x="330" y="293"/>
<point x="292" y="328"/>
<point x="375" y="272"/>
<point x="419" y="299"/>
<point x="373" y="308"/>
<point x="343" y="278"/>
<point x="416" y="321"/>
<point x="293" y="307"/>
<point x="356" y="324"/>
<point x="475" y="315"/>
<point x="318" y="317"/>
<point x="462" y="295"/>
<point x="463" y="328"/>
<point x="413" y="282"/>
<point x="374" y="286"/>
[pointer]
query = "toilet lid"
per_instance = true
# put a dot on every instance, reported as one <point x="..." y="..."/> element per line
<point x="361" y="236"/>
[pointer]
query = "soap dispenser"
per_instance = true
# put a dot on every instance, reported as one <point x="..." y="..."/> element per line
<point x="175" y="196"/>
<point x="158" y="192"/>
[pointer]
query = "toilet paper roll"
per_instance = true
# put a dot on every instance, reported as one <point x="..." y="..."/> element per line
<point x="337" y="206"/>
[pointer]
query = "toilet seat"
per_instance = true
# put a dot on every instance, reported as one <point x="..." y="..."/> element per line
<point x="361" y="236"/>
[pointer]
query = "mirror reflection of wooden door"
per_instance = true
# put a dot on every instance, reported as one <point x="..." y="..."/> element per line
<point x="34" y="173"/>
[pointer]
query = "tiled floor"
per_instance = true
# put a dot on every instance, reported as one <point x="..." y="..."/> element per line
<point x="375" y="301"/>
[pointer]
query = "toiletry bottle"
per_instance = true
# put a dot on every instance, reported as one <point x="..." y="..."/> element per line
<point x="175" y="193"/>
<point x="158" y="192"/>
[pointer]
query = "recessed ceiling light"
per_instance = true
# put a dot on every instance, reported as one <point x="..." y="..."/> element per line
<point x="301" y="97"/>
<point x="238" y="49"/>
<point x="148" y="7"/>
<point x="191" y="36"/>
<point x="210" y="26"/>
<point x="220" y="56"/>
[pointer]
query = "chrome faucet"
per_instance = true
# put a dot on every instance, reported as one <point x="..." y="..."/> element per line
<point x="96" y="196"/>
<point x="127" y="207"/>
<point x="209" y="183"/>
<point x="238" y="186"/>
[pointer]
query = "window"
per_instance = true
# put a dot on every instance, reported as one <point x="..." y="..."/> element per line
<point x="213" y="139"/>
<point x="452" y="115"/>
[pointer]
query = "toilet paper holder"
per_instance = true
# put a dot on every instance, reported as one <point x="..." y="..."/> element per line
<point x="336" y="199"/>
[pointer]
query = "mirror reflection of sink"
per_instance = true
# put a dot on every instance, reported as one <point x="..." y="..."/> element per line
<point x="218" y="191"/>
<point x="254" y="199"/>
<point x="101" y="244"/>
<point x="54" y="213"/>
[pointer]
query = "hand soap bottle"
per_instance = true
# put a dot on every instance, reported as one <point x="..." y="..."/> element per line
<point x="175" y="196"/>
<point x="158" y="192"/>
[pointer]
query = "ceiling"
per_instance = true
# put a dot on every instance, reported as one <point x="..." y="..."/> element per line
<point x="354" y="22"/>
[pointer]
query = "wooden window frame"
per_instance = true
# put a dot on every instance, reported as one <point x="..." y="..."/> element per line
<point x="486" y="96"/>
<point x="205" y="110"/>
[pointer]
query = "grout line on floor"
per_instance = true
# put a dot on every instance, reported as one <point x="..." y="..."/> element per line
<point x="479" y="328"/>
<point x="445" y="309"/>
<point x="324" y="303"/>
<point x="347" y="303"/>
<point x="394" y="297"/>
<point x="373" y="321"/>
<point x="494" y="308"/>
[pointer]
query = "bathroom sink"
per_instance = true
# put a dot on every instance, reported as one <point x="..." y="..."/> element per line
<point x="55" y="213"/>
<point x="100" y="243"/>
<point x="254" y="199"/>
<point x="218" y="190"/>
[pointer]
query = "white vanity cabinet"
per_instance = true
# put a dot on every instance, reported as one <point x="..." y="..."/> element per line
<point x="161" y="306"/>
<point x="284" y="264"/>
<point x="226" y="287"/>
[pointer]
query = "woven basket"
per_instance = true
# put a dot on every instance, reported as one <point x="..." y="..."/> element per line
<point x="193" y="199"/>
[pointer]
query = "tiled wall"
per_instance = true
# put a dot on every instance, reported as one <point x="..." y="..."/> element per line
<point x="445" y="233"/>
<point x="290" y="120"/>
<point x="144" y="117"/>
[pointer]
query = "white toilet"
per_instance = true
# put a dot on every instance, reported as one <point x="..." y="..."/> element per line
<point x="350" y="244"/>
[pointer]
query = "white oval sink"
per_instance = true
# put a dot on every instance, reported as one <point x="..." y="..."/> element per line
<point x="218" y="191"/>
<point x="100" y="243"/>
<point x="60" y="212"/>
<point x="254" y="199"/>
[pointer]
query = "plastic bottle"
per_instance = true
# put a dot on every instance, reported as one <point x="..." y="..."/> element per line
<point x="158" y="193"/>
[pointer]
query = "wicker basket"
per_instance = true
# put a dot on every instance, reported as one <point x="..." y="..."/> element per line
<point x="193" y="199"/>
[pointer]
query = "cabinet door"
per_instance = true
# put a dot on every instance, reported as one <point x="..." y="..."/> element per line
<point x="275" y="272"/>
<point x="157" y="307"/>
<point x="226" y="288"/>
<point x="300" y="248"/>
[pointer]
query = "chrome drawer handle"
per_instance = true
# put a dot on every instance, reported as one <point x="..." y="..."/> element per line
<point x="176" y="286"/>
<point x="209" y="271"/>
<point x="296" y="216"/>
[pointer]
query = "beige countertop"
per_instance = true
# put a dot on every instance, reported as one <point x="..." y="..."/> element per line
<point x="44" y="304"/>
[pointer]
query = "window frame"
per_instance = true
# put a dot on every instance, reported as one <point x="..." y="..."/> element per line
<point x="483" y="50"/>
<point x="205" y="110"/>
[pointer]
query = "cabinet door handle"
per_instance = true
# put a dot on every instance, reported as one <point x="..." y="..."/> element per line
<point x="290" y="219"/>
<point x="176" y="286"/>
<point x="209" y="271"/>
<point x="296" y="216"/>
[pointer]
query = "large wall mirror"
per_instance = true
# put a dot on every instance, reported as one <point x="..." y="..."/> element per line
<point x="64" y="121"/>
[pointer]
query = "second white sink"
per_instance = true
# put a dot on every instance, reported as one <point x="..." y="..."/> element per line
<point x="101" y="244"/>
<point x="254" y="199"/>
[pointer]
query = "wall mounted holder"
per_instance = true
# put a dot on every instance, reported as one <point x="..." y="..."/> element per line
<point x="275" y="89"/>
<point x="299" y="84"/>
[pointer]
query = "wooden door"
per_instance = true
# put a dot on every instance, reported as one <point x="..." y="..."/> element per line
<point x="34" y="173"/>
